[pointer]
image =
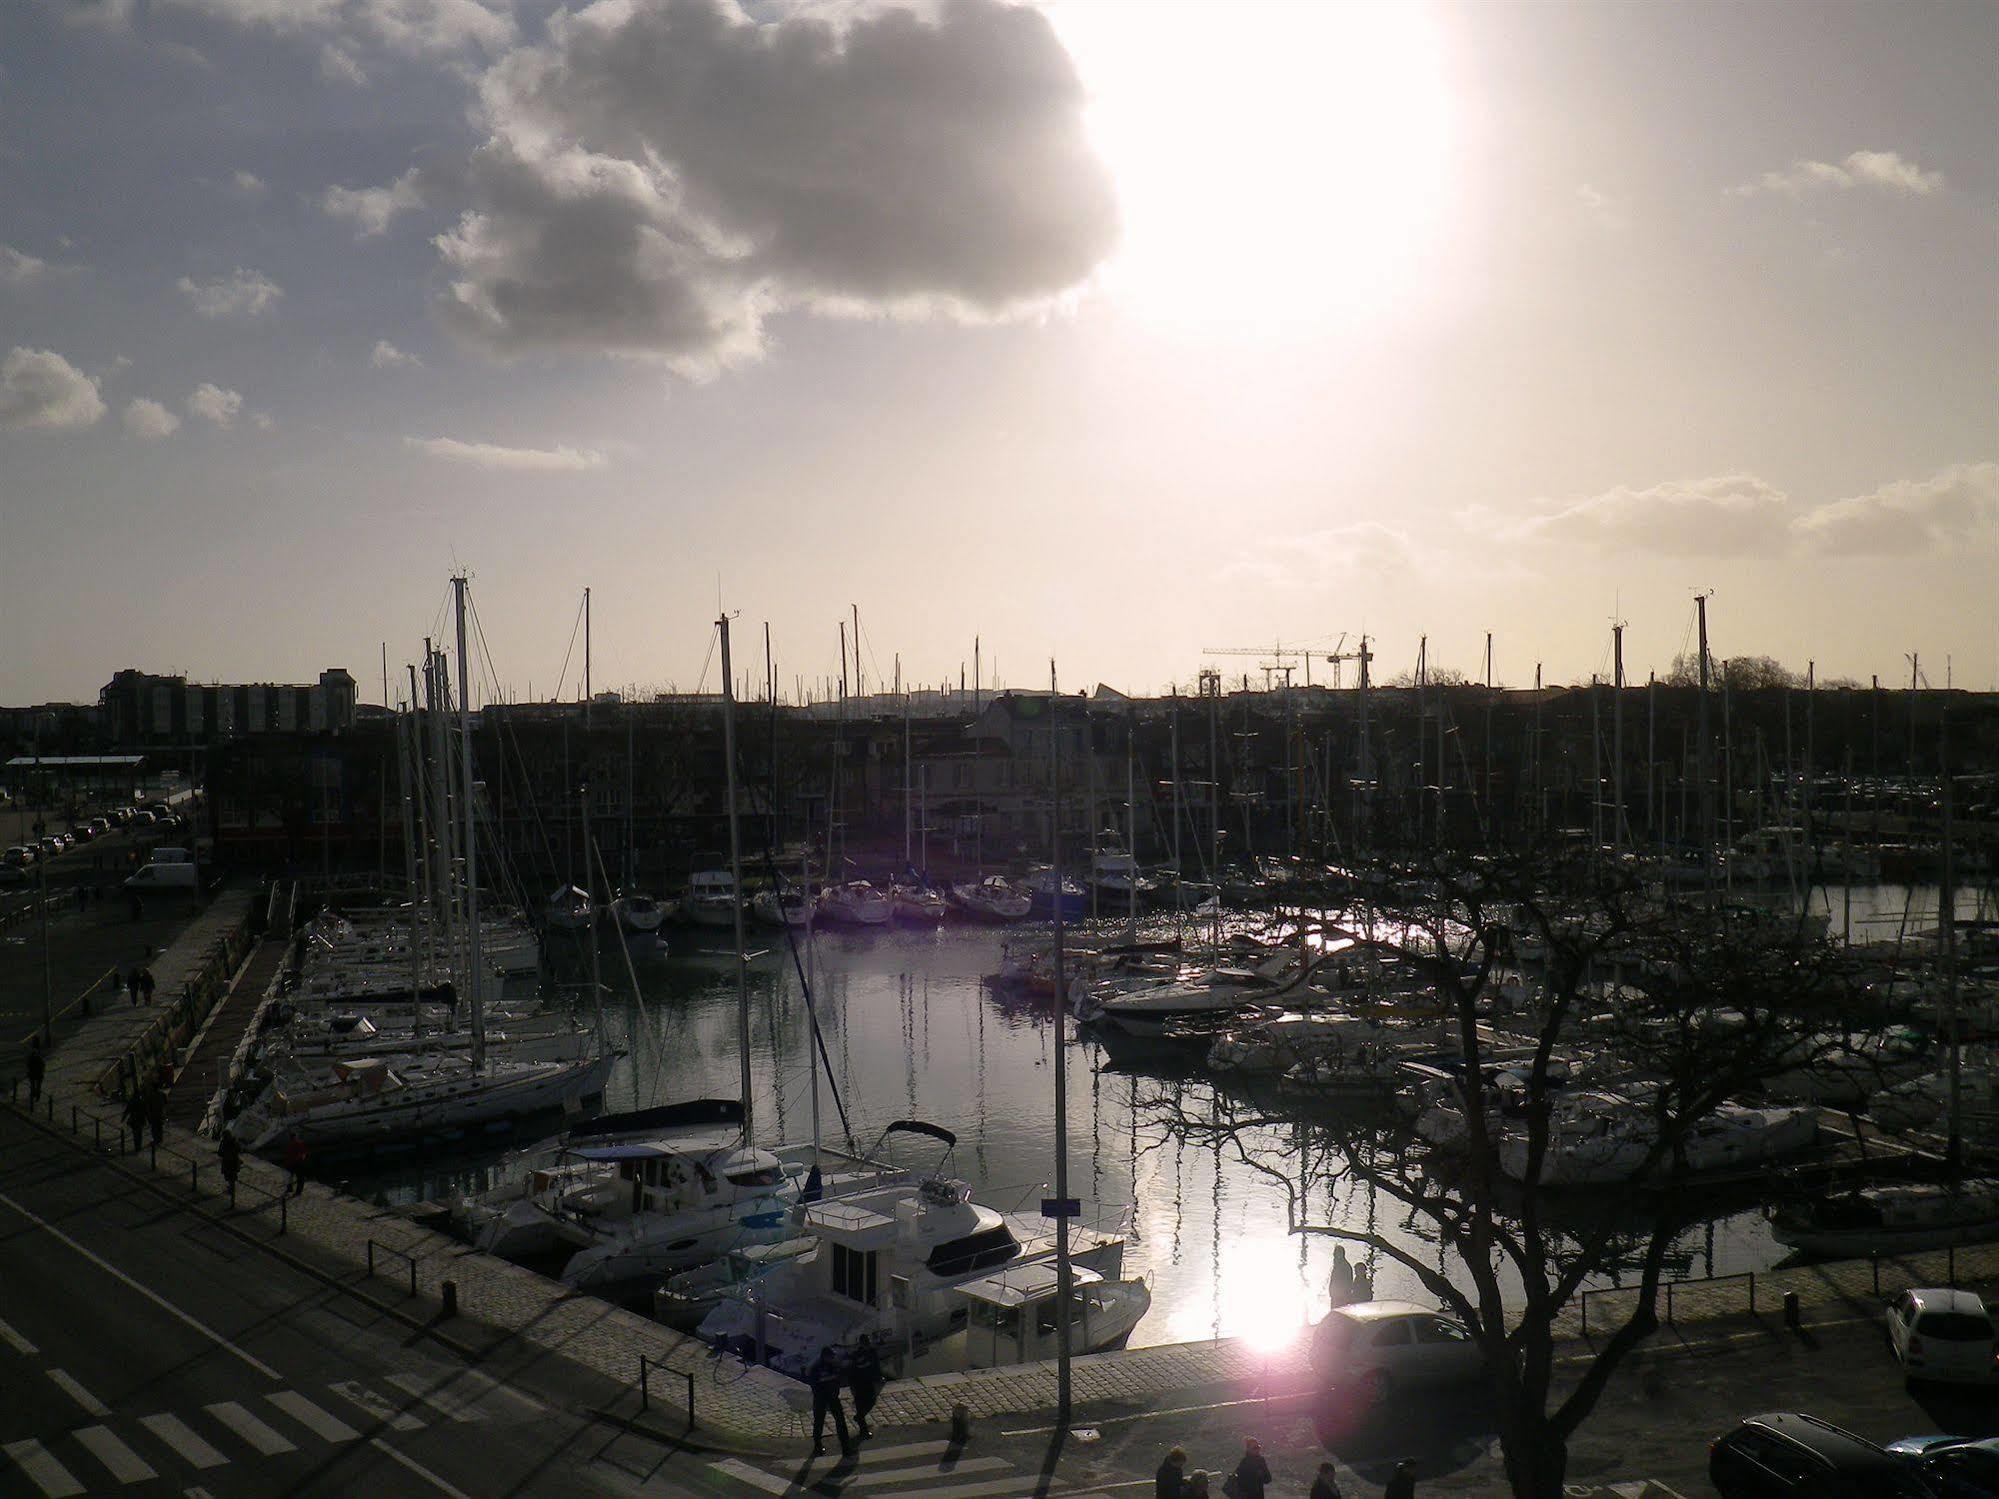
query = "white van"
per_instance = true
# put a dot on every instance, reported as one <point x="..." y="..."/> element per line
<point x="164" y="876"/>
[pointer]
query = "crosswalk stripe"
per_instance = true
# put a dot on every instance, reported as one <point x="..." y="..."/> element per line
<point x="378" y="1406"/>
<point x="1014" y="1485"/>
<point x="178" y="1435"/>
<point x="907" y="1449"/>
<point x="250" y="1429"/>
<point x="742" y="1471"/>
<point x="319" y="1422"/>
<point x="15" y="1341"/>
<point x="492" y="1386"/>
<point x="912" y="1475"/>
<point x="90" y="1403"/>
<point x="126" y="1465"/>
<point x="455" y="1406"/>
<point x="51" y="1477"/>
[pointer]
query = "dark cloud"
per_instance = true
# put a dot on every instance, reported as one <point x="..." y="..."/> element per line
<point x="661" y="175"/>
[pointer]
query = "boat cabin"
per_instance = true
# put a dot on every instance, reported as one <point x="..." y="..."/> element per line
<point x="657" y="1177"/>
<point x="873" y="1240"/>
<point x="1014" y="1316"/>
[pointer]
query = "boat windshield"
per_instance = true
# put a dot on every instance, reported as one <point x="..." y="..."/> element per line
<point x="768" y="1176"/>
<point x="978" y="1251"/>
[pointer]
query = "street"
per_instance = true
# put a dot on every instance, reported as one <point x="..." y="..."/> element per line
<point x="148" y="1351"/>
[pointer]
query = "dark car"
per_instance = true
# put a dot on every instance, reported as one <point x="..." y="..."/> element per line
<point x="1955" y="1467"/>
<point x="1786" y="1454"/>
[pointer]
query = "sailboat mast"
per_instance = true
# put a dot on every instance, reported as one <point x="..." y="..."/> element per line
<point x="1131" y="814"/>
<point x="1064" y="1275"/>
<point x="474" y="958"/>
<point x="1617" y="737"/>
<point x="586" y="671"/>
<point x="736" y="872"/>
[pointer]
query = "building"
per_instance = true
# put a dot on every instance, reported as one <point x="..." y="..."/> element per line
<point x="142" y="709"/>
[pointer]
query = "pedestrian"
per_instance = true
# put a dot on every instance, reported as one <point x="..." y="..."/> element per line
<point x="146" y="984"/>
<point x="138" y="906"/>
<point x="230" y="1153"/>
<point x="1363" y="1284"/>
<point x="1251" y="1475"/>
<point x="1326" y="1485"/>
<point x="37" y="1068"/>
<point x="132" y="976"/>
<point x="1197" y="1485"/>
<point x="824" y="1378"/>
<point x="1170" y="1482"/>
<point x="156" y="1112"/>
<point x="294" y="1159"/>
<point x="1339" y="1284"/>
<point x="864" y="1379"/>
<point x="1402" y="1482"/>
<point x="135" y="1118"/>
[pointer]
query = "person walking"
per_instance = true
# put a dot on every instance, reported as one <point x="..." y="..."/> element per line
<point x="135" y="1118"/>
<point x="230" y="1152"/>
<point x="37" y="1069"/>
<point x="1327" y="1484"/>
<point x="294" y="1159"/>
<point x="1252" y="1474"/>
<point x="864" y="1379"/>
<point x="1402" y="1482"/>
<point x="825" y="1381"/>
<point x="132" y="983"/>
<point x="156" y="1112"/>
<point x="1197" y="1485"/>
<point x="1170" y="1482"/>
<point x="1339" y="1284"/>
<point x="146" y="984"/>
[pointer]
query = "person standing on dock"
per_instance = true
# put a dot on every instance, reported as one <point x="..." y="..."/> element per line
<point x="1327" y="1484"/>
<point x="1170" y="1482"/>
<point x="132" y="979"/>
<point x="1402" y="1482"/>
<point x="294" y="1160"/>
<point x="37" y="1069"/>
<point x="1339" y="1284"/>
<point x="825" y="1381"/>
<point x="156" y="1112"/>
<point x="864" y="1379"/>
<point x="230" y="1152"/>
<point x="135" y="1118"/>
<point x="146" y="985"/>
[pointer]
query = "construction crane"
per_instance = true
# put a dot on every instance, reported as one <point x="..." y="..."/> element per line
<point x="1281" y="659"/>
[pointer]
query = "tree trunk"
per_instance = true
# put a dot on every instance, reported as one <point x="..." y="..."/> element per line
<point x="1536" y="1461"/>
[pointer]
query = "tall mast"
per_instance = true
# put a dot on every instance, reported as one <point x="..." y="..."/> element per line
<point x="1131" y="813"/>
<point x="1617" y="736"/>
<point x="1179" y="873"/>
<point x="1064" y="1275"/>
<point x="1947" y="935"/>
<point x="736" y="872"/>
<point x="586" y="678"/>
<point x="474" y="958"/>
<point x="1703" y="772"/>
<point x="907" y="790"/>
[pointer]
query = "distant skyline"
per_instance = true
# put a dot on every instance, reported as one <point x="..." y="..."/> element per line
<point x="1098" y="330"/>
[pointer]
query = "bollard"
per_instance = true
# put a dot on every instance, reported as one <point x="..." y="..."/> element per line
<point x="448" y="1299"/>
<point x="645" y="1392"/>
<point x="97" y="1133"/>
<point x="961" y="1424"/>
<point x="194" y="1175"/>
<point x="72" y="1119"/>
<point x="412" y="1260"/>
<point x="283" y="1199"/>
<point x="1791" y="1317"/>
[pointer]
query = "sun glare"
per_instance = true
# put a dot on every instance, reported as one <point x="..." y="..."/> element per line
<point x="1279" y="166"/>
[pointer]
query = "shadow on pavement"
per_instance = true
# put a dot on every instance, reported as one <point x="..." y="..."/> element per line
<point x="1443" y="1430"/>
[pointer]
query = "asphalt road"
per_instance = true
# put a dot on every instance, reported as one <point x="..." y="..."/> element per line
<point x="147" y="1351"/>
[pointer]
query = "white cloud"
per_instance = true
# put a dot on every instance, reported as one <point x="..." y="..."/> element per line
<point x="214" y="404"/>
<point x="1952" y="510"/>
<point x="18" y="268"/>
<point x="278" y="15"/>
<point x="386" y="356"/>
<point x="1887" y="170"/>
<point x="526" y="460"/>
<point x="40" y="388"/>
<point x="263" y="421"/>
<point x="249" y="184"/>
<point x="144" y="418"/>
<point x="239" y="294"/>
<point x="372" y="208"/>
<point x="337" y="65"/>
<point x="432" y="27"/>
<point x="1364" y="548"/>
<point x="665" y="173"/>
<point x="1743" y="516"/>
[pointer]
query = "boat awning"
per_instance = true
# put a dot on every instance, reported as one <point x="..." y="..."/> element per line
<point x="851" y="1224"/>
<point x="1023" y="1284"/>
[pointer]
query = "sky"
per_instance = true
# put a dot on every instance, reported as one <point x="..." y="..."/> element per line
<point x="1107" y="331"/>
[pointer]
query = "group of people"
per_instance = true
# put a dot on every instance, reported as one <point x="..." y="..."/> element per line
<point x="139" y="984"/>
<point x="1250" y="1478"/>
<point x="1348" y="1283"/>
<point x="857" y="1370"/>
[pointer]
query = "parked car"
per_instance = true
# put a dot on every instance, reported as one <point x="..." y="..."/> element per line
<point x="1955" y="1467"/>
<point x="20" y="856"/>
<point x="50" y="845"/>
<point x="1378" y="1346"/>
<point x="1943" y="1334"/>
<point x="1788" y="1453"/>
<point x="82" y="833"/>
<point x="99" y="826"/>
<point x="143" y="818"/>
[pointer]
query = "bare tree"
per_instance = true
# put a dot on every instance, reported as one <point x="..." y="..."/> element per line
<point x="1688" y="1008"/>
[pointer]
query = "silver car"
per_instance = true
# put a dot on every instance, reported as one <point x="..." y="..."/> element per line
<point x="1379" y="1346"/>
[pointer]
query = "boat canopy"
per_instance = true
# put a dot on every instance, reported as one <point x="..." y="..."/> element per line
<point x="695" y="1112"/>
<point x="921" y="1127"/>
<point x="1023" y="1284"/>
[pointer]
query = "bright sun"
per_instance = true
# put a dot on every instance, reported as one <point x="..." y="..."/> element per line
<point x="1281" y="165"/>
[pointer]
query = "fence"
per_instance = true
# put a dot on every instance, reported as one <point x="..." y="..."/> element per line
<point x="649" y="1367"/>
<point x="403" y="1255"/>
<point x="161" y="1041"/>
<point x="1666" y="1290"/>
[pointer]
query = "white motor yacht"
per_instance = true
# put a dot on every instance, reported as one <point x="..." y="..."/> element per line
<point x="710" y="898"/>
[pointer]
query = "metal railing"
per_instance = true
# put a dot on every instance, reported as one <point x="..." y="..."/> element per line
<point x="402" y="1254"/>
<point x="1665" y="1291"/>
<point x="650" y="1366"/>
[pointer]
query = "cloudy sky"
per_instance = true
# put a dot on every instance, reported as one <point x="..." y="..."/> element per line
<point x="1106" y="329"/>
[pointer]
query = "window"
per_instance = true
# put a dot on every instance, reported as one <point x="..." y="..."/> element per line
<point x="769" y="1176"/>
<point x="1392" y="1335"/>
<point x="980" y="1251"/>
<point x="1955" y="1327"/>
<point x="1437" y="1330"/>
<point x="854" y="1274"/>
